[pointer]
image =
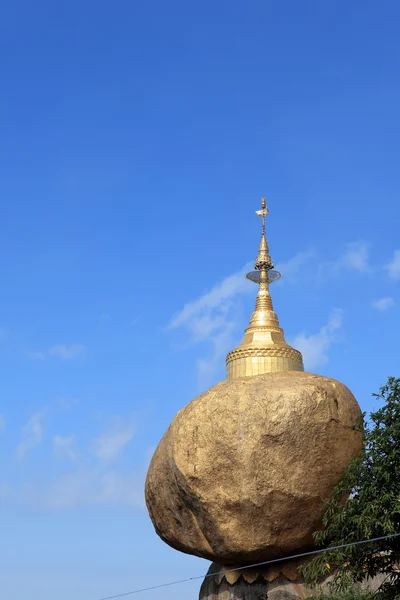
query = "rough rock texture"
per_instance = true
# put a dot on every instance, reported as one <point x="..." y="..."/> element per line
<point x="241" y="473"/>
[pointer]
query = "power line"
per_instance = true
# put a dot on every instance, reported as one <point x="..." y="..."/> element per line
<point x="259" y="564"/>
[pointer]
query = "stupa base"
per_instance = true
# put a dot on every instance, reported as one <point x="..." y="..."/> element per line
<point x="279" y="582"/>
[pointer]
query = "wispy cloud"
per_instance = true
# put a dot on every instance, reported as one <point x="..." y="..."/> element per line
<point x="293" y="269"/>
<point x="212" y="318"/>
<point x="89" y="486"/>
<point x="393" y="268"/>
<point x="62" y="351"/>
<point x="91" y="479"/>
<point x="355" y="257"/>
<point x="67" y="352"/>
<point x="383" y="303"/>
<point x="63" y="446"/>
<point x="32" y="435"/>
<point x="314" y="347"/>
<point x="111" y="443"/>
<point x="2" y="423"/>
<point x="203" y="314"/>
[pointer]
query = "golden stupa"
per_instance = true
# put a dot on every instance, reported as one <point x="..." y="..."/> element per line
<point x="263" y="349"/>
<point x="241" y="473"/>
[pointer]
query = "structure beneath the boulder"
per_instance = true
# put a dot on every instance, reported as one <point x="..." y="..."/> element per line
<point x="280" y="582"/>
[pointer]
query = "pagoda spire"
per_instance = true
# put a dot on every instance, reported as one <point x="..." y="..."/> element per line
<point x="263" y="348"/>
<point x="263" y="260"/>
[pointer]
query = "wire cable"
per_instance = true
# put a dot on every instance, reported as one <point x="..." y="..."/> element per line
<point x="259" y="564"/>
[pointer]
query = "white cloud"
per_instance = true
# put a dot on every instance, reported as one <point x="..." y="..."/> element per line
<point x="354" y="258"/>
<point x="33" y="435"/>
<point x="314" y="347"/>
<point x="383" y="303"/>
<point x="63" y="446"/>
<point x="109" y="445"/>
<point x="61" y="351"/>
<point x="213" y="318"/>
<point x="2" y="423"/>
<point x="88" y="486"/>
<point x="393" y="267"/>
<point x="67" y="352"/>
<point x="198" y="316"/>
<point x="91" y="480"/>
<point x="293" y="269"/>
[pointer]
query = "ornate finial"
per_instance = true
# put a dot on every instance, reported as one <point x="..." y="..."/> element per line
<point x="263" y="213"/>
<point x="263" y="261"/>
<point x="263" y="348"/>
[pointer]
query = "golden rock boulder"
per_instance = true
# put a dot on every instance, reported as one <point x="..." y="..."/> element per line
<point x="242" y="471"/>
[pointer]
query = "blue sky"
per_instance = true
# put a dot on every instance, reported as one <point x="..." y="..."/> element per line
<point x="136" y="141"/>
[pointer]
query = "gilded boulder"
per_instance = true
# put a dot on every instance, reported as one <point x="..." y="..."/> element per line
<point x="242" y="471"/>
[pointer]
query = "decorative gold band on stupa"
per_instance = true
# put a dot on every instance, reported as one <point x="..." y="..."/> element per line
<point x="264" y="348"/>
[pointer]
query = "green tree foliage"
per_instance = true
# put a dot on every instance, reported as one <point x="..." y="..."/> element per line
<point x="371" y="487"/>
<point x="353" y="593"/>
